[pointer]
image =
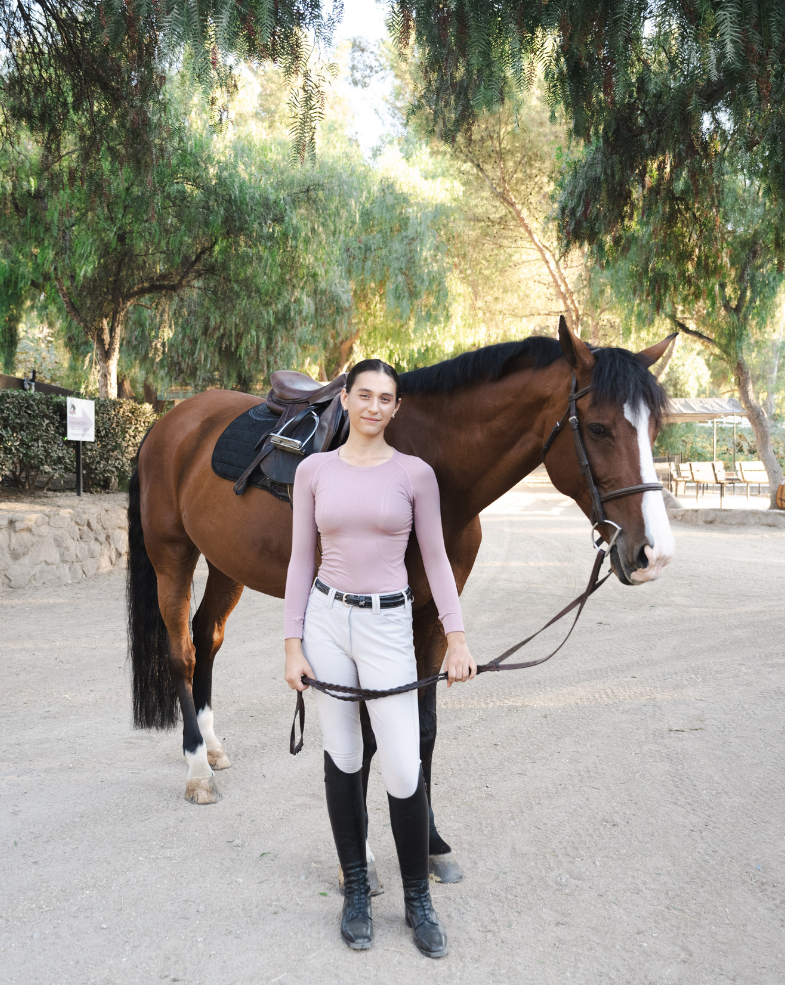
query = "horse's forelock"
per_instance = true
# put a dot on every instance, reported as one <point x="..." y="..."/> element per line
<point x="619" y="378"/>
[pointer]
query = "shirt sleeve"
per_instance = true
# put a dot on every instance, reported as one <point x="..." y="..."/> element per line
<point x="299" y="576"/>
<point x="428" y="527"/>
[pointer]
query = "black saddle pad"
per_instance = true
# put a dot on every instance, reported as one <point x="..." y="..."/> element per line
<point x="239" y="444"/>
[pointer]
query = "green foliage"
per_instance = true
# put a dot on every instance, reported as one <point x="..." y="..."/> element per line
<point x="330" y="252"/>
<point x="97" y="68"/>
<point x="32" y="438"/>
<point x="638" y="81"/>
<point x="33" y="445"/>
<point x="120" y="426"/>
<point x="695" y="443"/>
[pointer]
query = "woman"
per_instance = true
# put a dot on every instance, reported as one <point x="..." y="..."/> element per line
<point x="362" y="499"/>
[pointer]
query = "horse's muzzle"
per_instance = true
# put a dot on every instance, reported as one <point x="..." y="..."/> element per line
<point x="647" y="563"/>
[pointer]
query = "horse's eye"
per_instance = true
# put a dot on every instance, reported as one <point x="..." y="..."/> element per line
<point x="597" y="429"/>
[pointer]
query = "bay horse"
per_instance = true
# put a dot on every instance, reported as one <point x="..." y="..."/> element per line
<point x="480" y="419"/>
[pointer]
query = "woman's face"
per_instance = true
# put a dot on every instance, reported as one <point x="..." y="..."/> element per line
<point x="370" y="403"/>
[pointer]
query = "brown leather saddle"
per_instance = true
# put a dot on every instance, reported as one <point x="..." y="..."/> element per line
<point x="311" y="420"/>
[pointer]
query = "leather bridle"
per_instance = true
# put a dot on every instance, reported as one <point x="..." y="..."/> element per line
<point x="597" y="499"/>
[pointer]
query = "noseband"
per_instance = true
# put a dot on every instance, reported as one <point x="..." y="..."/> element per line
<point x="597" y="513"/>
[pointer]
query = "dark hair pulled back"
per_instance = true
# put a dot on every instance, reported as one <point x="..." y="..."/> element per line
<point x="373" y="366"/>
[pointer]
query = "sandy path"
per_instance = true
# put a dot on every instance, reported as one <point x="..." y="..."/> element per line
<point x="618" y="812"/>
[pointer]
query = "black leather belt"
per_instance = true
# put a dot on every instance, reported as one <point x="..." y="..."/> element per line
<point x="366" y="601"/>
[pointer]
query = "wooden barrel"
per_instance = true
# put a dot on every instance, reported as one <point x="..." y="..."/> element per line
<point x="781" y="496"/>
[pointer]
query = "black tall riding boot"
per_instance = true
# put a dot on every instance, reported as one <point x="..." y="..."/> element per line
<point x="346" y="807"/>
<point x="410" y="822"/>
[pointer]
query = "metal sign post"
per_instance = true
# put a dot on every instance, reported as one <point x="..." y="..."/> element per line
<point x="80" y="418"/>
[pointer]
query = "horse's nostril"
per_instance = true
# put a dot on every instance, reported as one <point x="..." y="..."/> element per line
<point x="643" y="561"/>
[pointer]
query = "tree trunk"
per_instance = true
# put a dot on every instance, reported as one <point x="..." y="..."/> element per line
<point x="760" y="426"/>
<point x="107" y="371"/>
<point x="124" y="389"/>
<point x="339" y="356"/>
<point x="770" y="396"/>
<point x="107" y="350"/>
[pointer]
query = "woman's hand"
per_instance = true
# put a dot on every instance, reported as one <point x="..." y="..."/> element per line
<point x="296" y="665"/>
<point x="458" y="662"/>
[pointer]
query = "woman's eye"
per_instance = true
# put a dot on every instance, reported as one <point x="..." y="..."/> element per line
<point x="597" y="429"/>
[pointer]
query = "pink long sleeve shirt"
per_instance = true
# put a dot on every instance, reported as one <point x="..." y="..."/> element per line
<point x="364" y="516"/>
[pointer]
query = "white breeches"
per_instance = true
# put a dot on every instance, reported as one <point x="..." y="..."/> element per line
<point x="369" y="648"/>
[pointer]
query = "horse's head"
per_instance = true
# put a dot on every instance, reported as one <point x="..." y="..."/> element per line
<point x="619" y="418"/>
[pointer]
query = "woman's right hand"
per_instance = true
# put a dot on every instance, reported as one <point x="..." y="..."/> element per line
<point x="296" y="665"/>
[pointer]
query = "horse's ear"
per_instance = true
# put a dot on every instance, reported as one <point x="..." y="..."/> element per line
<point x="577" y="353"/>
<point x="650" y="356"/>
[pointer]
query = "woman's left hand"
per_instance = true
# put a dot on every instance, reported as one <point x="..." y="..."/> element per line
<point x="458" y="662"/>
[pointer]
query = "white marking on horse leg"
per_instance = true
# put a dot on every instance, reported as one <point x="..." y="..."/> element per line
<point x="198" y="766"/>
<point x="200" y="787"/>
<point x="215" y="752"/>
<point x="655" y="516"/>
<point x="368" y="853"/>
<point x="205" y="722"/>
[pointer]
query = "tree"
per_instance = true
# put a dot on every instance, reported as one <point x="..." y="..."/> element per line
<point x="109" y="237"/>
<point x="96" y="62"/>
<point x="633" y="77"/>
<point x="353" y="248"/>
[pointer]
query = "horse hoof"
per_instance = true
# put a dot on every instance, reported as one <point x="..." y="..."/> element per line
<point x="373" y="880"/>
<point x="202" y="791"/>
<point x="444" y="868"/>
<point x="218" y="759"/>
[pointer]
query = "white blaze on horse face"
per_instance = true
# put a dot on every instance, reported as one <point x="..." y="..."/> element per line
<point x="655" y="516"/>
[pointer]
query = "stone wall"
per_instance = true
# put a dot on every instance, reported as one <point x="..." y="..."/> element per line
<point x="61" y="539"/>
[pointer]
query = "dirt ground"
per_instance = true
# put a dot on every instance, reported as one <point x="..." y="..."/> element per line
<point x="617" y="812"/>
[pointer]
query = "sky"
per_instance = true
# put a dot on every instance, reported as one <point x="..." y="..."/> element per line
<point x="365" y="19"/>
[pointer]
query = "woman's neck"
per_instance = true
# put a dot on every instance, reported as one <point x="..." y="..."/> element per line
<point x="361" y="451"/>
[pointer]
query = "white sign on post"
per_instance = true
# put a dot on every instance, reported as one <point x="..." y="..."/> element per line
<point x="80" y="415"/>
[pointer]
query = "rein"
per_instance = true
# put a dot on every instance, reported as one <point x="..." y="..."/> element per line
<point x="346" y="693"/>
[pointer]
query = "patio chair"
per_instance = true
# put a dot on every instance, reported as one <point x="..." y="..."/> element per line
<point x="752" y="473"/>
<point x="675" y="478"/>
<point x="702" y="475"/>
<point x="684" y="474"/>
<point x="723" y="479"/>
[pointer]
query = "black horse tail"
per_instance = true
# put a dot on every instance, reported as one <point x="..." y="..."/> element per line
<point x="154" y="695"/>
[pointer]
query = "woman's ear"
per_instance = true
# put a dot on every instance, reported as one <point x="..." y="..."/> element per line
<point x="344" y="398"/>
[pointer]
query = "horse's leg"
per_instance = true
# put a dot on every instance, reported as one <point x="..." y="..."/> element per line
<point x="221" y="595"/>
<point x="431" y="645"/>
<point x="174" y="565"/>
<point x="369" y="750"/>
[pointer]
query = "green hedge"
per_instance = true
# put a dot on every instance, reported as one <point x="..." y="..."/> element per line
<point x="33" y="445"/>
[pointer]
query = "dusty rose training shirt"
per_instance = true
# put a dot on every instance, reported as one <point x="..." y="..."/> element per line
<point x="364" y="516"/>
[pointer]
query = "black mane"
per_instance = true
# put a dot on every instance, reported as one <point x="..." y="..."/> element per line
<point x="488" y="363"/>
<point x="619" y="378"/>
